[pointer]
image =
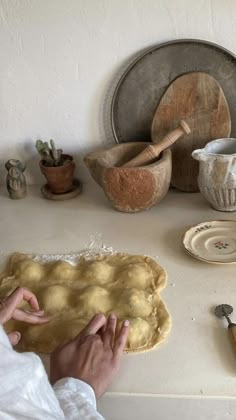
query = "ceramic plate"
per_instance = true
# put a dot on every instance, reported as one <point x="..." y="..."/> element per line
<point x="213" y="242"/>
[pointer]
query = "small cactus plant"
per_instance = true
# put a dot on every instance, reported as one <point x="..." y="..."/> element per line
<point x="49" y="154"/>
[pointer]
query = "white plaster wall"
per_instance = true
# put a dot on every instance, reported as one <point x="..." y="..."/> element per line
<point x="60" y="61"/>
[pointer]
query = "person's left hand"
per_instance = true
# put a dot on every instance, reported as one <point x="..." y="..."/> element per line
<point x="9" y="310"/>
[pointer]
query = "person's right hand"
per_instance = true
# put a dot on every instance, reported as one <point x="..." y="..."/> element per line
<point x="94" y="356"/>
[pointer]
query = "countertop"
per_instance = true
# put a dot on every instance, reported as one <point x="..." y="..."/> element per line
<point x="197" y="358"/>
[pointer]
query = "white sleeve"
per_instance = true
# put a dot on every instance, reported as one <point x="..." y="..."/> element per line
<point x="75" y="397"/>
<point x="25" y="391"/>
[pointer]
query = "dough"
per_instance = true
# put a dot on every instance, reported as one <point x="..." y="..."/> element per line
<point x="21" y="271"/>
<point x="94" y="299"/>
<point x="28" y="271"/>
<point x="140" y="333"/>
<point x="98" y="272"/>
<point x="54" y="299"/>
<point x="61" y="272"/>
<point x="135" y="275"/>
<point x="128" y="285"/>
<point x="47" y="336"/>
<point x="134" y="303"/>
<point x="73" y="328"/>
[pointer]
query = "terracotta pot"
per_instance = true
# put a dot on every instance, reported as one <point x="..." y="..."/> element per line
<point x="59" y="178"/>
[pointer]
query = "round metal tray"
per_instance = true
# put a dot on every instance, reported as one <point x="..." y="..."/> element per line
<point x="142" y="85"/>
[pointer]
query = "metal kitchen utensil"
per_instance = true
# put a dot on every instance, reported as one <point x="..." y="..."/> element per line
<point x="225" y="310"/>
<point x="142" y="85"/>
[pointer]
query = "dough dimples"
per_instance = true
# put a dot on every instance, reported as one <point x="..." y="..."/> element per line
<point x="128" y="285"/>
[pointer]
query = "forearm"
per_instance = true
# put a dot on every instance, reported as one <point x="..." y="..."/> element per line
<point x="75" y="397"/>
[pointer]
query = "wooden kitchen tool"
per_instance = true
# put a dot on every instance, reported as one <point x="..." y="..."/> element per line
<point x="198" y="99"/>
<point x="224" y="311"/>
<point x="152" y="151"/>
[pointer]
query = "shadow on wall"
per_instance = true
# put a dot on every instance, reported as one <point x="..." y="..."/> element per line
<point x="105" y="108"/>
<point x="31" y="160"/>
<point x="25" y="149"/>
<point x="104" y="114"/>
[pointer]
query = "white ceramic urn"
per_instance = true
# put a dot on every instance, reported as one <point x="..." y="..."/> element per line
<point x="217" y="173"/>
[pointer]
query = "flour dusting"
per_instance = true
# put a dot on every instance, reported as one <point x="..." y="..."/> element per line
<point x="95" y="247"/>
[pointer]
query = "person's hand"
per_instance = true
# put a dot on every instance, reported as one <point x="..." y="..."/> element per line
<point x="93" y="356"/>
<point x="9" y="310"/>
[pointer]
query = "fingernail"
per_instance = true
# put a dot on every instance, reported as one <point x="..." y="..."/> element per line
<point x="34" y="312"/>
<point x="112" y="317"/>
<point x="126" y="323"/>
<point x="99" y="315"/>
<point x="15" y="337"/>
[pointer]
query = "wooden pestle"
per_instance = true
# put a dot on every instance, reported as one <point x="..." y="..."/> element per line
<point x="232" y="334"/>
<point x="152" y="151"/>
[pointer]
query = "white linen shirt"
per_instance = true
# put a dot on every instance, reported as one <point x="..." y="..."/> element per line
<point x="26" y="394"/>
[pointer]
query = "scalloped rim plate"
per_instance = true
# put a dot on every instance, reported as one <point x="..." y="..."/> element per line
<point x="212" y="241"/>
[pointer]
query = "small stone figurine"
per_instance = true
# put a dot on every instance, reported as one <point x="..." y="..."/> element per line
<point x="16" y="183"/>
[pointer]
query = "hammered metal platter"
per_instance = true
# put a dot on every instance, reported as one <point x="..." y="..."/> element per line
<point x="142" y="85"/>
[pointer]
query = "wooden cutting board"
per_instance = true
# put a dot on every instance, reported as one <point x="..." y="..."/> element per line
<point x="198" y="99"/>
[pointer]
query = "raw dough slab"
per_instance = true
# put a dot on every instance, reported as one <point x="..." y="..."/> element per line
<point x="128" y="285"/>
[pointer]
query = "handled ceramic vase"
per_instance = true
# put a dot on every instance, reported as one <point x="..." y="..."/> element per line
<point x="217" y="173"/>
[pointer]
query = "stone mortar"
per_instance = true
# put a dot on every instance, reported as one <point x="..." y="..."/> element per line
<point x="130" y="189"/>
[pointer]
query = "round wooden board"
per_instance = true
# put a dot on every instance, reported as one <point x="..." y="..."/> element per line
<point x="198" y="99"/>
